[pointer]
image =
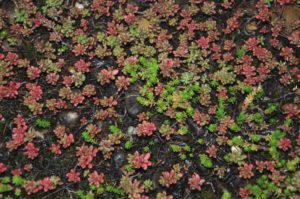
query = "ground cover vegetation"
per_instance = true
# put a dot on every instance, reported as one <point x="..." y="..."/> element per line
<point x="165" y="99"/>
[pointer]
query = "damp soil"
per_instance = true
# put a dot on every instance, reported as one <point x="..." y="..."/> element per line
<point x="127" y="111"/>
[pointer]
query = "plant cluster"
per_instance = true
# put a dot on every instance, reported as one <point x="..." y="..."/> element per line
<point x="137" y="99"/>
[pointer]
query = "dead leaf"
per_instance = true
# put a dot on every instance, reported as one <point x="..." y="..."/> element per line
<point x="38" y="133"/>
<point x="143" y="24"/>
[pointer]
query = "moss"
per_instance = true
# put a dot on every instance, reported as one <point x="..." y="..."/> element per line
<point x="207" y="193"/>
<point x="29" y="50"/>
<point x="3" y="130"/>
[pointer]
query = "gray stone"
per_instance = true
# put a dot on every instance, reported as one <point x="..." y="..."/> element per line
<point x="111" y="90"/>
<point x="236" y="149"/>
<point x="155" y="180"/>
<point x="132" y="105"/>
<point x="131" y="130"/>
<point x="104" y="125"/>
<point x="98" y="62"/>
<point x="69" y="118"/>
<point x="119" y="159"/>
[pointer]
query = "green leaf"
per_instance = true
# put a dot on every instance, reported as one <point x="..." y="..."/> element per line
<point x="4" y="188"/>
<point x="226" y="195"/>
<point x="18" y="180"/>
<point x="175" y="148"/>
<point x="128" y="145"/>
<point x="212" y="127"/>
<point x="21" y="16"/>
<point x="241" y="118"/>
<point x="237" y="141"/>
<point x="43" y="123"/>
<point x="235" y="128"/>
<point x="114" y="129"/>
<point x="241" y="53"/>
<point x="6" y="179"/>
<point x="200" y="141"/>
<point x="148" y="184"/>
<point x="206" y="161"/>
<point x="87" y="138"/>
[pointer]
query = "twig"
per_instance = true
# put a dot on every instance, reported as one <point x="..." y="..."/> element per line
<point x="50" y="194"/>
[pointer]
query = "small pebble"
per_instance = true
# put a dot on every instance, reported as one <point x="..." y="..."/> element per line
<point x="69" y="118"/>
<point x="131" y="130"/>
<point x="132" y="105"/>
<point x="119" y="159"/>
